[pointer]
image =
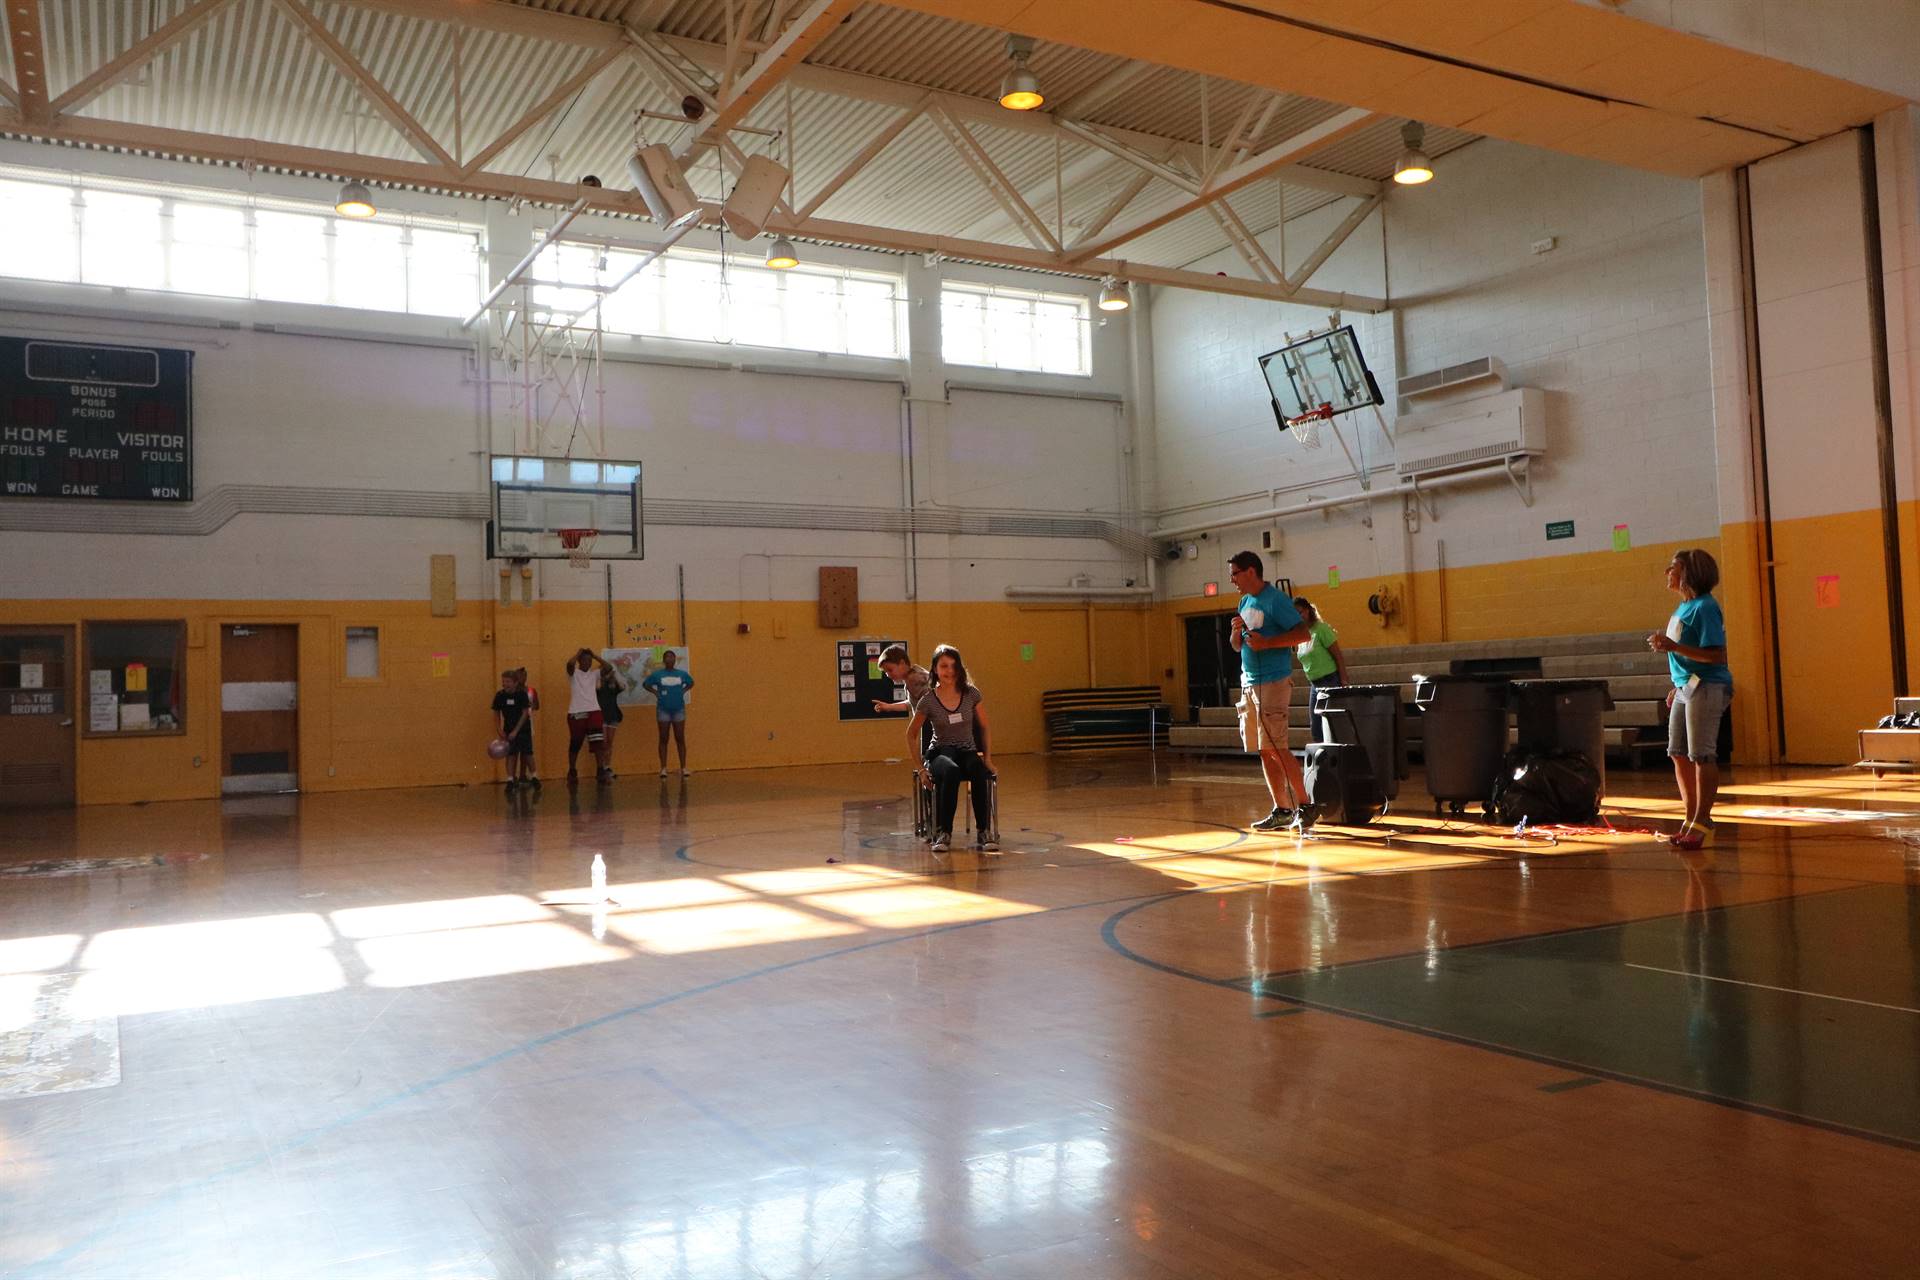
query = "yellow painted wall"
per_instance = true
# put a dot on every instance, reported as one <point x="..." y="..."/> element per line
<point x="768" y="697"/>
<point x="1836" y="667"/>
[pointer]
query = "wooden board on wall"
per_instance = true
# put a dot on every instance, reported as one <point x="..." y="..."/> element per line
<point x="839" y="596"/>
<point x="445" y="605"/>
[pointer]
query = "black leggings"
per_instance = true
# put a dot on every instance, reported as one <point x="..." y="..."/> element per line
<point x="949" y="765"/>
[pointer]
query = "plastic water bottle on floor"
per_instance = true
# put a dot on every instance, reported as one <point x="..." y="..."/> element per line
<point x="599" y="878"/>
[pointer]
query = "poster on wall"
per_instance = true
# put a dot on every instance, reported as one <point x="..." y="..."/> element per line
<point x="86" y="420"/>
<point x="636" y="664"/>
<point x="860" y="681"/>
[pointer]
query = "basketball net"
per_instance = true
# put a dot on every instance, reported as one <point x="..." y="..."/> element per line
<point x="578" y="544"/>
<point x="1306" y="427"/>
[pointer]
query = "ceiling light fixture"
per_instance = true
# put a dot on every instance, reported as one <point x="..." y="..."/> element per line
<point x="1413" y="167"/>
<point x="1115" y="294"/>
<point x="781" y="256"/>
<point x="355" y="201"/>
<point x="1020" y="88"/>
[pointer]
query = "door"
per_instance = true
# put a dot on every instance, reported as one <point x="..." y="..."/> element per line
<point x="259" y="700"/>
<point x="36" y="716"/>
<point x="1213" y="668"/>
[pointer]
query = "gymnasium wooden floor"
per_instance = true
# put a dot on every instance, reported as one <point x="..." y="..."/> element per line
<point x="389" y="1035"/>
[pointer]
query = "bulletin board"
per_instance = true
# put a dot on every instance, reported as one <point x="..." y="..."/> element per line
<point x="636" y="664"/>
<point x="857" y="674"/>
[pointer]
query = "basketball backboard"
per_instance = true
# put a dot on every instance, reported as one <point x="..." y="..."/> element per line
<point x="1323" y="371"/>
<point x="535" y="500"/>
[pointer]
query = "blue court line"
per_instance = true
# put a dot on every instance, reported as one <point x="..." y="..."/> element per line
<point x="429" y="1085"/>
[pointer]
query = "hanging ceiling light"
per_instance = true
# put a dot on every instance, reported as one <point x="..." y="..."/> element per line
<point x="1020" y="88"/>
<point x="1413" y="167"/>
<point x="781" y="256"/>
<point x="1115" y="294"/>
<point x="355" y="201"/>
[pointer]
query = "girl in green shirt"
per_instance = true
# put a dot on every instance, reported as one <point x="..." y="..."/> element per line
<point x="1320" y="658"/>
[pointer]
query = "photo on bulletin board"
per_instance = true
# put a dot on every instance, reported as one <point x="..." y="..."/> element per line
<point x="635" y="665"/>
<point x="860" y="681"/>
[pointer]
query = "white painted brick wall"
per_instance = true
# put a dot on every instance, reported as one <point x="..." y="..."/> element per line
<point x="1612" y="324"/>
<point x="340" y="413"/>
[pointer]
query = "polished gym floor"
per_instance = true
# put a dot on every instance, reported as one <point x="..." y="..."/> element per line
<point x="392" y="1034"/>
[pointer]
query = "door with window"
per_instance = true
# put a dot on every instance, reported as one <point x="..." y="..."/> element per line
<point x="259" y="708"/>
<point x="36" y="716"/>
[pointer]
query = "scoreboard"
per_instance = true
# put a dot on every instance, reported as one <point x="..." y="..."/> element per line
<point x="81" y="420"/>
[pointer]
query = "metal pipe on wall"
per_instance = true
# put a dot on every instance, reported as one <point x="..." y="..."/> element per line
<point x="1477" y="474"/>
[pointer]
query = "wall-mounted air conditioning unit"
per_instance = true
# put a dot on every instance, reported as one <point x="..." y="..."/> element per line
<point x="1455" y="382"/>
<point x="1468" y="433"/>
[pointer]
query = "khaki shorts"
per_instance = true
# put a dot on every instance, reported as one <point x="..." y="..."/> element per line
<point x="1264" y="713"/>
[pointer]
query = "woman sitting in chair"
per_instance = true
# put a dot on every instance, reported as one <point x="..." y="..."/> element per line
<point x="959" y="734"/>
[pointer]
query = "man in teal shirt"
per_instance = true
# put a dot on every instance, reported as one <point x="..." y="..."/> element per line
<point x="1266" y="628"/>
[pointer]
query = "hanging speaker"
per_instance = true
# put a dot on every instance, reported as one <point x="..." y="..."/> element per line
<point x="658" y="178"/>
<point x="761" y="181"/>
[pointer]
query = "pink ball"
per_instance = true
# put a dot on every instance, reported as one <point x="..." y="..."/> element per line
<point x="497" y="748"/>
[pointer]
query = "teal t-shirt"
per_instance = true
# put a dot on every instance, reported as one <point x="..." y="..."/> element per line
<point x="1698" y="624"/>
<point x="669" y="688"/>
<point x="1268" y="613"/>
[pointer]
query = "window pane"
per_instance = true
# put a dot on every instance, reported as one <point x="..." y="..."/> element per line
<point x="813" y="312"/>
<point x="692" y="300"/>
<point x="757" y="309"/>
<point x="363" y="653"/>
<point x="209" y="250"/>
<point x="369" y="266"/>
<point x="120" y="241"/>
<point x="443" y="273"/>
<point x="636" y="307"/>
<point x="39" y="241"/>
<point x="1010" y="333"/>
<point x="1016" y="329"/>
<point x="140" y="663"/>
<point x="962" y="328"/>
<point x="290" y="257"/>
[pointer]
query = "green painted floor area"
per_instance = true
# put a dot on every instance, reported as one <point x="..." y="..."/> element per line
<point x="1808" y="1006"/>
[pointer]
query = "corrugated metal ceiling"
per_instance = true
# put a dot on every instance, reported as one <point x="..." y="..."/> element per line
<point x="253" y="72"/>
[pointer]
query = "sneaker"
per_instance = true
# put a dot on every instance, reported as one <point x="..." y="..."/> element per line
<point x="573" y="775"/>
<point x="532" y="782"/>
<point x="512" y="786"/>
<point x="686" y="773"/>
<point x="663" y="773"/>
<point x="1276" y="820"/>
<point x="990" y="845"/>
<point x="940" y="841"/>
<point x="605" y="775"/>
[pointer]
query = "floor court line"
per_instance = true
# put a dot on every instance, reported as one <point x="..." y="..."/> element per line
<point x="1763" y="986"/>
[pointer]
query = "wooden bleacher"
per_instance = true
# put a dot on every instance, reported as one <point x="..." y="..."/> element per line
<point x="1113" y="718"/>
<point x="1635" y="676"/>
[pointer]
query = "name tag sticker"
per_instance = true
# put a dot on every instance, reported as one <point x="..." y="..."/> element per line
<point x="954" y="717"/>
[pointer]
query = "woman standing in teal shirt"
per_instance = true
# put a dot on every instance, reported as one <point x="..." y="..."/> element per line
<point x="1695" y="643"/>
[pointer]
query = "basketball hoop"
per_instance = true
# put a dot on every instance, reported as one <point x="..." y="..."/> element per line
<point x="578" y="544"/>
<point x="1306" y="426"/>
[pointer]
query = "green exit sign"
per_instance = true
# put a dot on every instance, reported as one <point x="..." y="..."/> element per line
<point x="1559" y="529"/>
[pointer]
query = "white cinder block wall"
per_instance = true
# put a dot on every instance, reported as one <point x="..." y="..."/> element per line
<point x="388" y="410"/>
<point x="1612" y="323"/>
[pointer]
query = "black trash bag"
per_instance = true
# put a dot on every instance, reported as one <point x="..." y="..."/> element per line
<point x="1542" y="788"/>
